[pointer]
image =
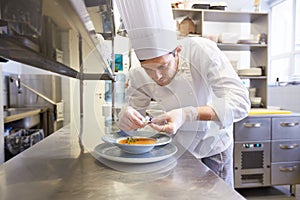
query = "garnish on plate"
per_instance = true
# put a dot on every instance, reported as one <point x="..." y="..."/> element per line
<point x="137" y="140"/>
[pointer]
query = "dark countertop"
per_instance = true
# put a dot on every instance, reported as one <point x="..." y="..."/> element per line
<point x="59" y="168"/>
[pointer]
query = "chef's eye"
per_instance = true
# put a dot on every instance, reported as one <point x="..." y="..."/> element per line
<point x="148" y="70"/>
<point x="162" y="67"/>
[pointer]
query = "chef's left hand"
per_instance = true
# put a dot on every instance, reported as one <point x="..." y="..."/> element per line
<point x="171" y="121"/>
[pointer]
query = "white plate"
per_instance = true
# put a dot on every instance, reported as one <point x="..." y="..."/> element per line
<point x="154" y="167"/>
<point x="254" y="71"/>
<point x="250" y="39"/>
<point x="112" y="152"/>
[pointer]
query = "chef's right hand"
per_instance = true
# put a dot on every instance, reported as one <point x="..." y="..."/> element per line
<point x="171" y="121"/>
<point x="130" y="119"/>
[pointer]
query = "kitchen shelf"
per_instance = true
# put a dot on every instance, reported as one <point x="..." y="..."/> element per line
<point x="238" y="17"/>
<point x="253" y="77"/>
<point x="10" y="48"/>
<point x="240" y="47"/>
<point x="15" y="114"/>
<point x="69" y="14"/>
<point x="77" y="17"/>
<point x="223" y="16"/>
<point x="207" y="23"/>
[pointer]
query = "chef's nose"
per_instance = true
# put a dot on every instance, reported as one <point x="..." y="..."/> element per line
<point x="157" y="74"/>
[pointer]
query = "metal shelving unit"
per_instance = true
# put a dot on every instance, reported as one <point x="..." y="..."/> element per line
<point x="70" y="14"/>
<point x="258" y="23"/>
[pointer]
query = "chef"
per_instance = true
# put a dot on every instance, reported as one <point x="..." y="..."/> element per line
<point x="190" y="78"/>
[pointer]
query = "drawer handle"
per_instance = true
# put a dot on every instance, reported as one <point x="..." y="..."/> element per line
<point x="289" y="124"/>
<point x="288" y="169"/>
<point x="254" y="125"/>
<point x="292" y="146"/>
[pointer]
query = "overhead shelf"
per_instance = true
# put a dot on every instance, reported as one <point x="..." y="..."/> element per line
<point x="229" y="16"/>
<point x="253" y="77"/>
<point x="77" y="16"/>
<point x="12" y="49"/>
<point x="67" y="14"/>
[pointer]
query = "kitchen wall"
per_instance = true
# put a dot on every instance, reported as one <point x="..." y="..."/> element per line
<point x="285" y="97"/>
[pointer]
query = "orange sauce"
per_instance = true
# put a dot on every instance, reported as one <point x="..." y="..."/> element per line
<point x="137" y="141"/>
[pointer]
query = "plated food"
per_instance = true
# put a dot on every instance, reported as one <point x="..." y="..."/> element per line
<point x="138" y="147"/>
<point x="138" y="144"/>
<point x="136" y="140"/>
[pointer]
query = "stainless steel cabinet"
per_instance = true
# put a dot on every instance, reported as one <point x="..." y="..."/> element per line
<point x="253" y="129"/>
<point x="267" y="151"/>
<point x="285" y="167"/>
<point x="252" y="152"/>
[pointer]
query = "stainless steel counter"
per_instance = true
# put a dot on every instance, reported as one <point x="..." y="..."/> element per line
<point x="26" y="117"/>
<point x="14" y="114"/>
<point x="58" y="168"/>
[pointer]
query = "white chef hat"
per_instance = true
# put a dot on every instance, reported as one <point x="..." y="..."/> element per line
<point x="150" y="26"/>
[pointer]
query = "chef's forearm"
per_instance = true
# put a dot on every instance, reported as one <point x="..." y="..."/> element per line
<point x="206" y="113"/>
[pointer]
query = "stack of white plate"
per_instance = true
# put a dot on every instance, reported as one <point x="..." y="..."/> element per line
<point x="255" y="71"/>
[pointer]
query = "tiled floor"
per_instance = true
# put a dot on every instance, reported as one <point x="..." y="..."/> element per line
<point x="270" y="193"/>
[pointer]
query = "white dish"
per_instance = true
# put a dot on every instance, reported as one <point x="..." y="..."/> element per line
<point x="228" y="38"/>
<point x="147" y="168"/>
<point x="113" y="153"/>
<point x="161" y="139"/>
<point x="248" y="41"/>
<point x="130" y="144"/>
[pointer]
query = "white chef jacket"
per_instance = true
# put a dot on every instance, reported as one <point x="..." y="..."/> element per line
<point x="205" y="77"/>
